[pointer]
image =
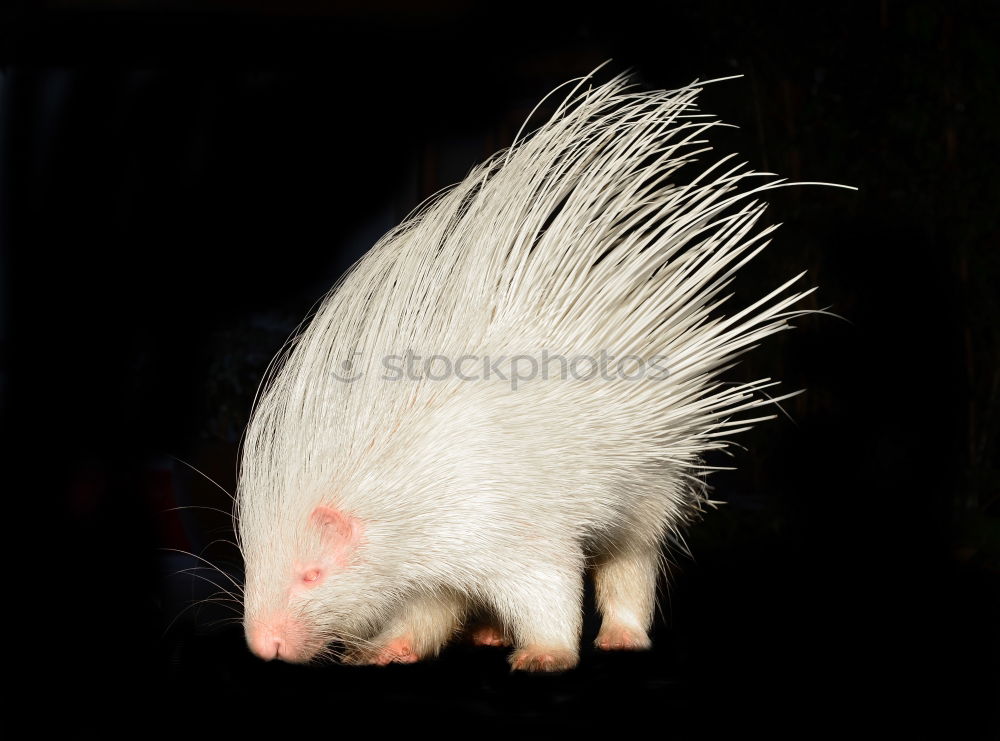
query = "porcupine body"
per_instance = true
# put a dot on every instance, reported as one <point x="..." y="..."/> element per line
<point x="514" y="387"/>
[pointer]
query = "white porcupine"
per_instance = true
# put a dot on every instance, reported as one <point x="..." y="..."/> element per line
<point x="382" y="514"/>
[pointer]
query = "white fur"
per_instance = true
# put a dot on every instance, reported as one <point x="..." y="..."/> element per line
<point x="477" y="497"/>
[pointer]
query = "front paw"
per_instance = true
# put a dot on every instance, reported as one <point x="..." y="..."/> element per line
<point x="488" y="635"/>
<point x="398" y="650"/>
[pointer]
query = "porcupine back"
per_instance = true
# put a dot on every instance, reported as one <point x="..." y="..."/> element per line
<point x="578" y="240"/>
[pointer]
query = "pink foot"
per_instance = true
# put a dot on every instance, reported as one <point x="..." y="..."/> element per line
<point x="620" y="638"/>
<point x="541" y="659"/>
<point x="487" y="635"/>
<point x="397" y="651"/>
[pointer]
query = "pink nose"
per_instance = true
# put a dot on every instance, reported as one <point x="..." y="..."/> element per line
<point x="266" y="643"/>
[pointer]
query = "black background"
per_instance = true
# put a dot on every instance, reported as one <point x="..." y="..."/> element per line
<point x="179" y="184"/>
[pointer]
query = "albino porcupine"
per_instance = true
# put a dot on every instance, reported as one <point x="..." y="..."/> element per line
<point x="517" y="383"/>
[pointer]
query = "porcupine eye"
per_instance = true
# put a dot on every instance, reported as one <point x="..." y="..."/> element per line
<point x="311" y="576"/>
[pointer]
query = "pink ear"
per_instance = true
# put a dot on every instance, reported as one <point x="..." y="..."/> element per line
<point x="338" y="528"/>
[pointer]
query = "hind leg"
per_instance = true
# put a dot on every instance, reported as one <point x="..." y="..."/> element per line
<point x="625" y="583"/>
<point x="541" y="607"/>
<point x="417" y="632"/>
